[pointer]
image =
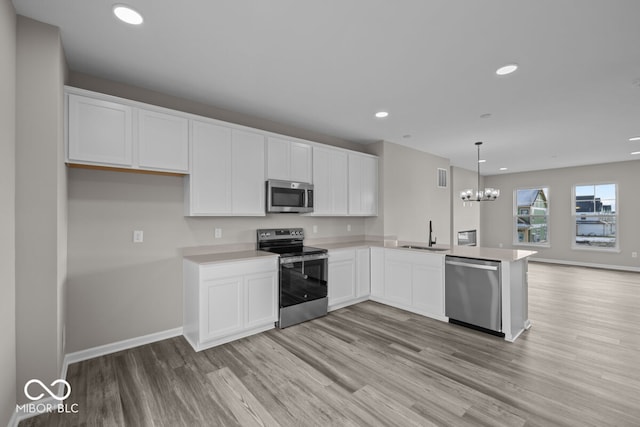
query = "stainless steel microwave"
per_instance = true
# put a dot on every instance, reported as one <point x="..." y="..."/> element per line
<point x="289" y="196"/>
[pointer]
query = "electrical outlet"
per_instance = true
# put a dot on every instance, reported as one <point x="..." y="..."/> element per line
<point x="315" y="228"/>
<point x="634" y="254"/>
<point x="348" y="227"/>
<point x="218" y="233"/>
<point x="138" y="236"/>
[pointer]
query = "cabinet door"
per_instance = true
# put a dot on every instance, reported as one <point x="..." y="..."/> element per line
<point x="288" y="160"/>
<point x="163" y="141"/>
<point x="330" y="181"/>
<point x="428" y="285"/>
<point x="363" y="272"/>
<point x="261" y="298"/>
<point x="377" y="271"/>
<point x="220" y="307"/>
<point x="300" y="162"/>
<point x="398" y="278"/>
<point x="247" y="174"/>
<point x="99" y="132"/>
<point x="278" y="158"/>
<point x="210" y="179"/>
<point x="342" y="277"/>
<point x="363" y="185"/>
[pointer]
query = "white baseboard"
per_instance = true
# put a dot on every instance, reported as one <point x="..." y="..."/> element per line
<point x="587" y="264"/>
<point x="102" y="350"/>
<point x="90" y="353"/>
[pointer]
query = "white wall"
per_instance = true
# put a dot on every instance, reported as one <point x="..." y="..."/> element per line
<point x="40" y="203"/>
<point x="7" y="211"/>
<point x="497" y="217"/>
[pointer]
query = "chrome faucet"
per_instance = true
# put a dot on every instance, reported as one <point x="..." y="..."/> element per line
<point x="432" y="241"/>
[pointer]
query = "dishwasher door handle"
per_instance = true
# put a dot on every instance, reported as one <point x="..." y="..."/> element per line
<point x="476" y="266"/>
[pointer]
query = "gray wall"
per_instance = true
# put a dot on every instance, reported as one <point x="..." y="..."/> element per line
<point x="464" y="215"/>
<point x="40" y="203"/>
<point x="497" y="217"/>
<point x="411" y="196"/>
<point x="7" y="211"/>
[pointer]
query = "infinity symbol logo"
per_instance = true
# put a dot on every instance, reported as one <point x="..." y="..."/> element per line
<point x="51" y="393"/>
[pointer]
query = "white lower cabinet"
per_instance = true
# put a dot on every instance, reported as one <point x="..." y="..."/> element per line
<point x="349" y="277"/>
<point x="412" y="281"/>
<point x="227" y="301"/>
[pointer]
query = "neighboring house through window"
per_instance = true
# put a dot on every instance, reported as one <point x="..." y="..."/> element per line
<point x="595" y="216"/>
<point x="531" y="216"/>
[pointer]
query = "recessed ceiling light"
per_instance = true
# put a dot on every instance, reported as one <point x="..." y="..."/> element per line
<point x="635" y="138"/>
<point x="127" y="14"/>
<point x="506" y="69"/>
<point x="504" y="169"/>
<point x="635" y="152"/>
<point x="382" y="114"/>
<point x="482" y="161"/>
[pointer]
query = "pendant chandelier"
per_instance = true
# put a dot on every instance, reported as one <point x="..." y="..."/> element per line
<point x="488" y="194"/>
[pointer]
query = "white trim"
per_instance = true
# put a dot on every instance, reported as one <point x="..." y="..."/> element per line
<point x="587" y="264"/>
<point x="14" y="420"/>
<point x="91" y="353"/>
<point x="102" y="350"/>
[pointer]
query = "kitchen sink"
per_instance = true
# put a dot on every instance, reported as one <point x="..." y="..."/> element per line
<point x="424" y="248"/>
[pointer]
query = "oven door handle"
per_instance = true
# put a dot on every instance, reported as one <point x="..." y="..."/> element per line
<point x="292" y="259"/>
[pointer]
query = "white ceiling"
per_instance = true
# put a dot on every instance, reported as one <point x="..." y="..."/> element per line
<point x="328" y="66"/>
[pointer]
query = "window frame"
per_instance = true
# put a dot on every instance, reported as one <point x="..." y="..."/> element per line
<point x="574" y="217"/>
<point x="515" y="214"/>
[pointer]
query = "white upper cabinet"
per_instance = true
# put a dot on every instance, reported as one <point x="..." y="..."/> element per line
<point x="288" y="160"/>
<point x="247" y="173"/>
<point x="363" y="185"/>
<point x="163" y="141"/>
<point x="330" y="181"/>
<point x="227" y="172"/>
<point x="99" y="132"/>
<point x="108" y="131"/>
<point x="209" y="186"/>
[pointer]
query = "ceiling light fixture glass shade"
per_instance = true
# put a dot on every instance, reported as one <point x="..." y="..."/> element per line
<point x="127" y="14"/>
<point x="488" y="194"/>
<point x="382" y="114"/>
<point x="507" y="69"/>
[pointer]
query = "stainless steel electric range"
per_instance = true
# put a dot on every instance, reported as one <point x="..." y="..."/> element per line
<point x="303" y="274"/>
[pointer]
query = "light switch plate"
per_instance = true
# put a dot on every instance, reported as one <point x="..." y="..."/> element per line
<point x="138" y="236"/>
<point x="218" y="233"/>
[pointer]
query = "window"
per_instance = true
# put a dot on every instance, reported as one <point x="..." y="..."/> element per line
<point x="595" y="216"/>
<point x="531" y="216"/>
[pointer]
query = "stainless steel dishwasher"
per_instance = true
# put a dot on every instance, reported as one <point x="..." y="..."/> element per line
<point x="472" y="293"/>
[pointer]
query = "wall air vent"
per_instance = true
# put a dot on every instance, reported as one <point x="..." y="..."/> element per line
<point x="442" y="178"/>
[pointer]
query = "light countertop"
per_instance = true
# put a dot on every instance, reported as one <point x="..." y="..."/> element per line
<point x="497" y="254"/>
<point x="213" y="258"/>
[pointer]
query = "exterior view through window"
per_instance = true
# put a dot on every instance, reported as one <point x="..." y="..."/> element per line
<point x="532" y="216"/>
<point x="596" y="216"/>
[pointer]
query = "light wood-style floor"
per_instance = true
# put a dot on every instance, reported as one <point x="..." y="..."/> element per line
<point x="370" y="364"/>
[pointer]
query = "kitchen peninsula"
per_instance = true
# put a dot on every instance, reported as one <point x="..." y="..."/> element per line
<point x="411" y="279"/>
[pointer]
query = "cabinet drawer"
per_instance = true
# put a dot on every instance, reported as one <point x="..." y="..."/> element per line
<point x="237" y="268"/>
